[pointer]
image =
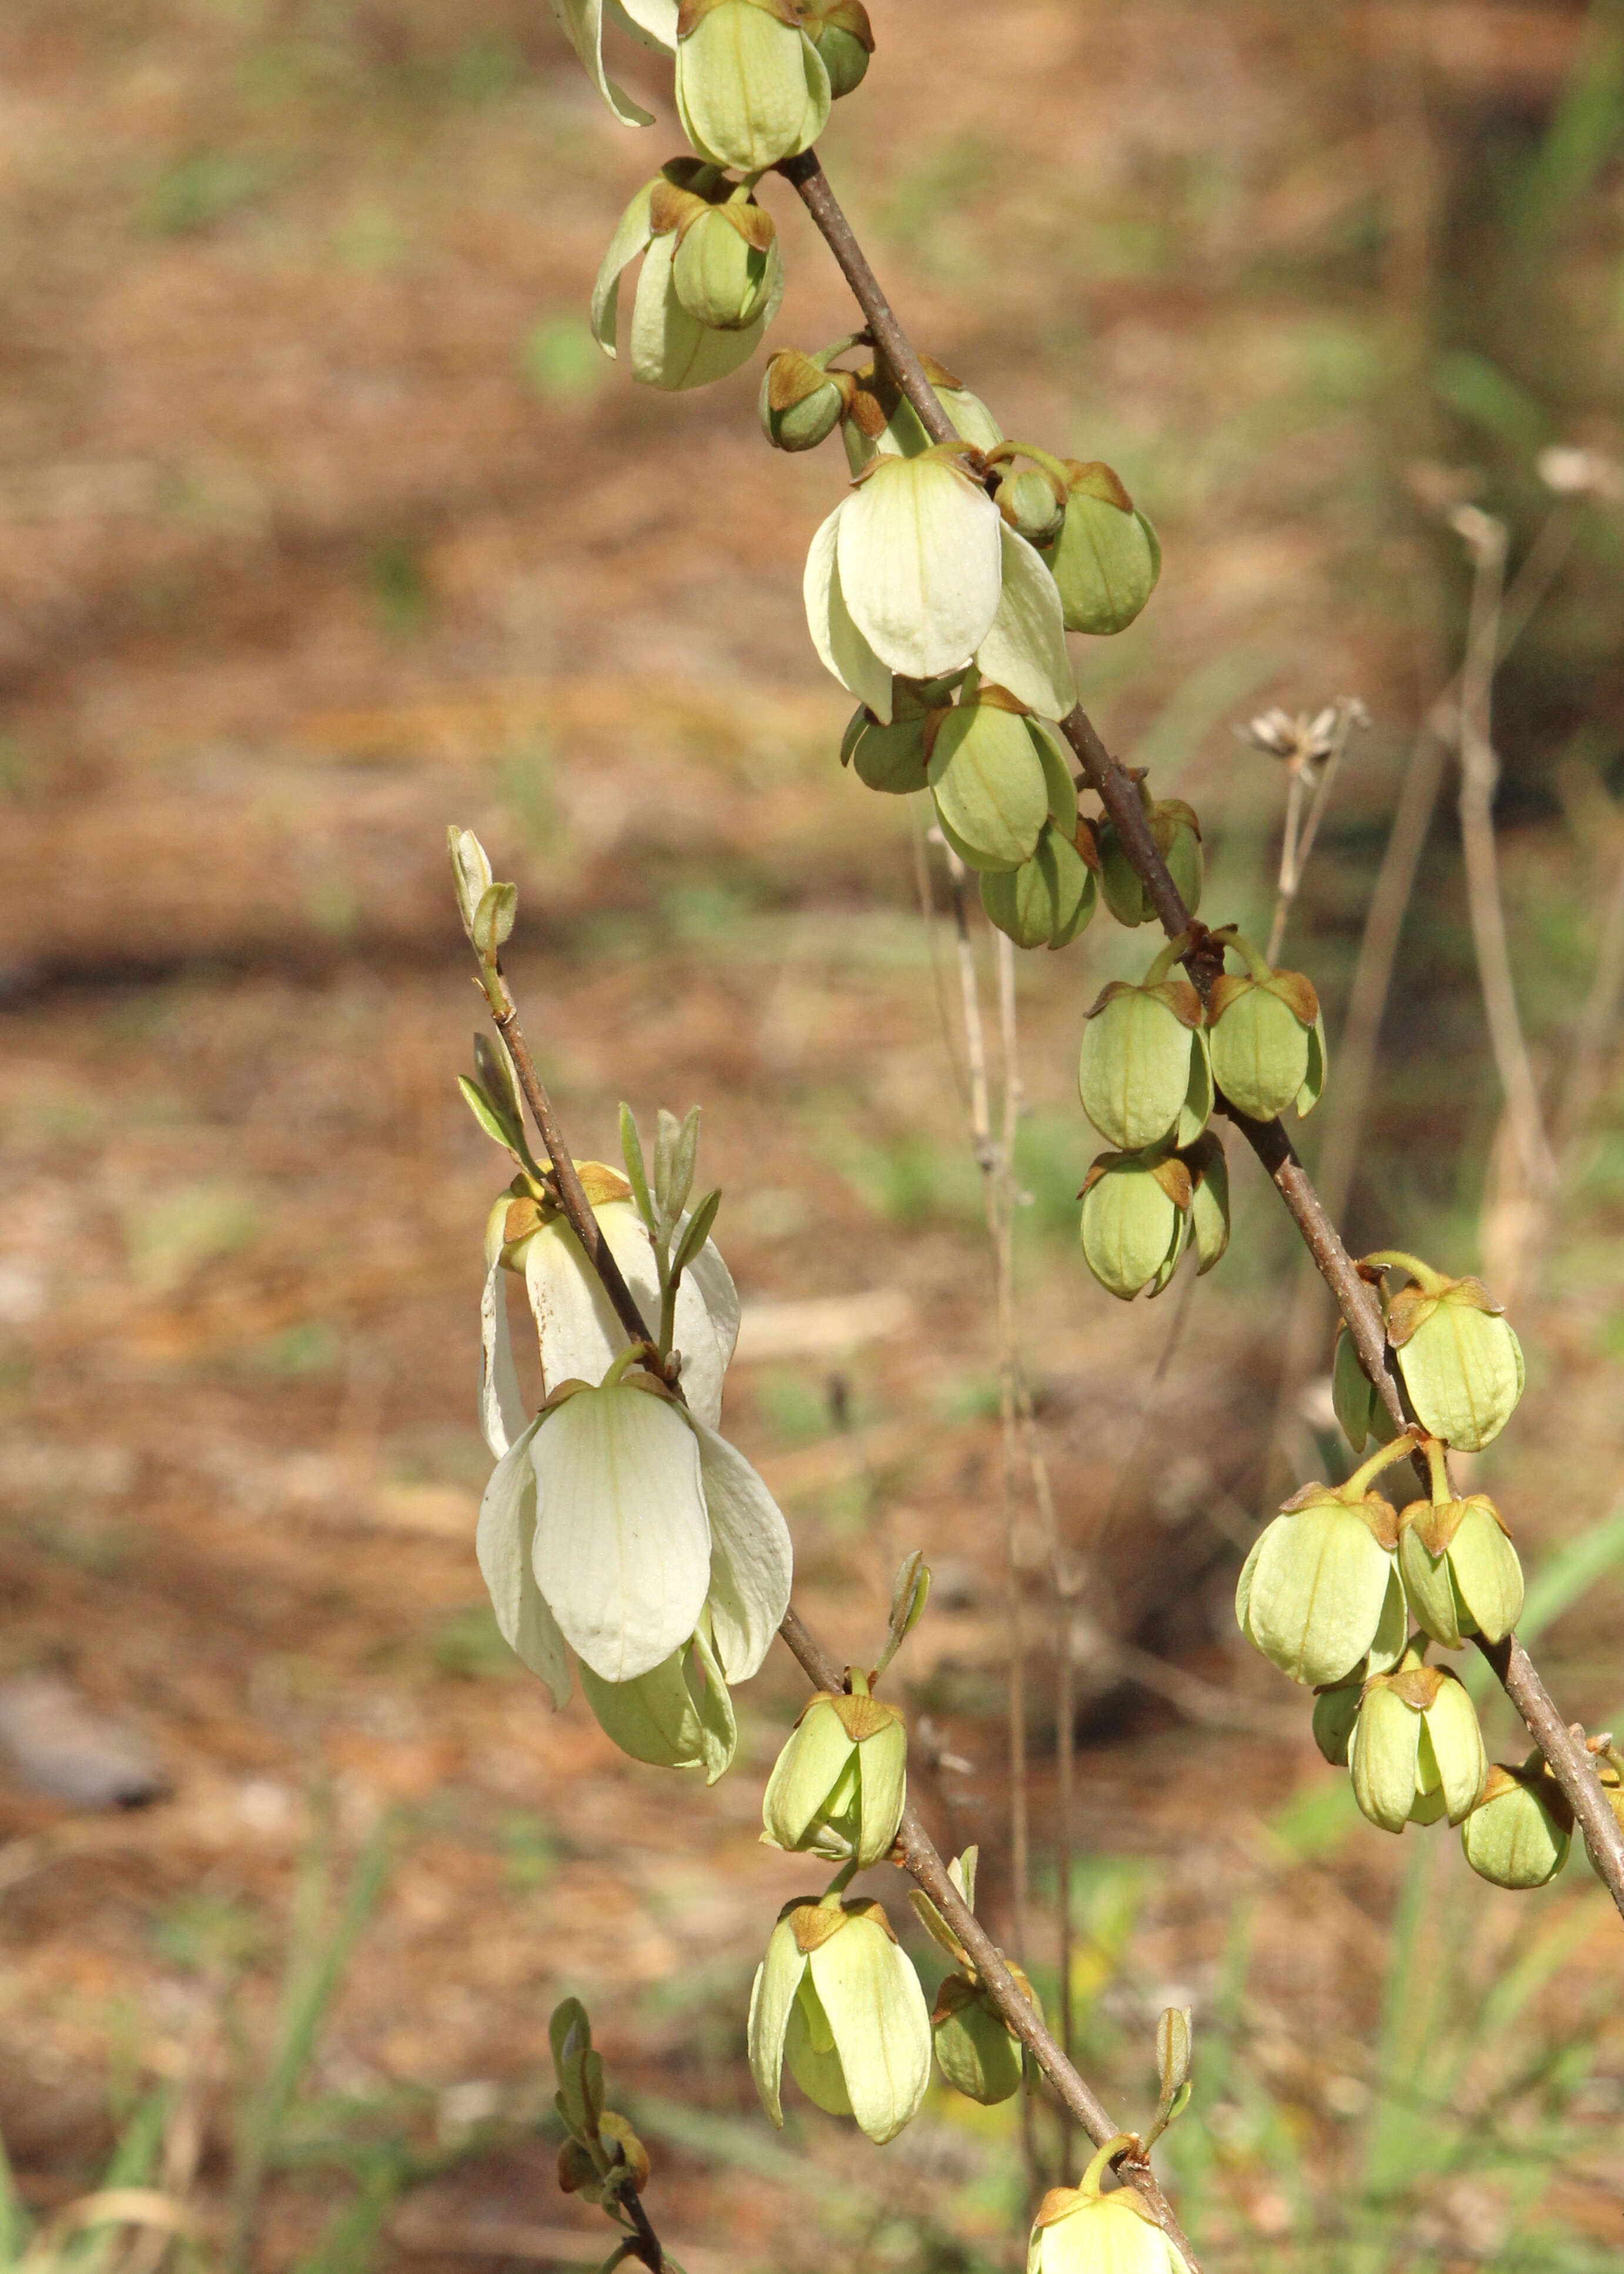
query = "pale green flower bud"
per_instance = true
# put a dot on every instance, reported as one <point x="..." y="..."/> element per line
<point x="976" y="2051"/>
<point x="1106" y="558"/>
<point x="1047" y="901"/>
<point x="1178" y="835"/>
<point x="678" y="1716"/>
<point x="750" y="87"/>
<point x="1135" y="1221"/>
<point x="1143" y="1072"/>
<point x="1336" y="1713"/>
<point x="726" y="266"/>
<point x="1032" y="504"/>
<point x="1462" y="1364"/>
<point x="1321" y="1590"/>
<point x="1417" y="1750"/>
<point x="838" y="2001"/>
<point x="1079" y="2231"/>
<point x="841" y="33"/>
<point x="990" y="776"/>
<point x="654" y="22"/>
<point x="801" y="403"/>
<point x="1267" y="1041"/>
<point x="1459" y="1570"/>
<point x="1209" y="1205"/>
<point x="839" y="1785"/>
<point x="1519" y="1833"/>
<point x="1354" y="1396"/>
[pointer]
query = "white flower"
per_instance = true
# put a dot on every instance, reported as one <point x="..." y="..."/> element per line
<point x="916" y="573"/>
<point x="579" y="1335"/>
<point x="838" y="2000"/>
<point x="619" y="1523"/>
<point x="652" y="22"/>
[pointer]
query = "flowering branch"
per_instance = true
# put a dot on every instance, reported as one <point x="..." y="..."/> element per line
<point x="1573" y="1767"/>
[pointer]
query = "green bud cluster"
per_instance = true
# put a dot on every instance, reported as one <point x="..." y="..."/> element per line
<point x="1320" y="1594"/>
<point x="601" y="2158"/>
<point x="1459" y="1360"/>
<point x="1267" y="1037"/>
<point x="843" y="38"/>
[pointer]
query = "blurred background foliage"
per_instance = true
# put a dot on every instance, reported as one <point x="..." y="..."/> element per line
<point x="322" y="522"/>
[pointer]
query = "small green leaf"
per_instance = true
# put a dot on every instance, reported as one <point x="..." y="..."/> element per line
<point x="676" y="1149"/>
<point x="494" y="918"/>
<point x="631" y="1153"/>
<point x="695" y="1232"/>
<point x="569" y="2031"/>
<point x="489" y="1115"/>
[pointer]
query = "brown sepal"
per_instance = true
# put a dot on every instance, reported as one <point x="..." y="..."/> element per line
<point x="1228" y="988"/>
<point x="674" y="209"/>
<point x="863" y="1717"/>
<point x="999" y="699"/>
<point x="1411" y="1307"/>
<point x="1296" y="990"/>
<point x="1174" y="1178"/>
<point x="1181" y="1000"/>
<point x="1087" y="843"/>
<point x="1419" y="1686"/>
<point x="1092" y="477"/>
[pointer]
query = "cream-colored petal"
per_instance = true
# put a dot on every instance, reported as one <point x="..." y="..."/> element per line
<point x="652" y="22"/>
<point x="803" y="1776"/>
<point x="876" y="2010"/>
<point x="841" y="648"/>
<point x="749" y="89"/>
<point x="582" y="23"/>
<point x="705" y="1329"/>
<point x="883" y="1763"/>
<point x="578" y="1334"/>
<point x="750" y="1556"/>
<point x="632" y="235"/>
<point x="502" y="1407"/>
<point x="777" y="1978"/>
<point x="503" y="1543"/>
<point x="622" y="1550"/>
<point x="1025" y="649"/>
<point x="919" y="563"/>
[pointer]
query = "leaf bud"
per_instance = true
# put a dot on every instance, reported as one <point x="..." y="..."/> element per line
<point x="976" y="2051"/>
<point x="1461" y="1363"/>
<point x="1268" y="1041"/>
<point x="1135" y="1221"/>
<point x="1107" y="557"/>
<point x="1321" y="1590"/>
<point x="844" y="37"/>
<point x="750" y="87"/>
<point x="1417" y="1750"/>
<point x="1047" y="901"/>
<point x="578" y="2171"/>
<point x="1033" y="503"/>
<point x="801" y="403"/>
<point x="615" y="2129"/>
<point x="1209" y="1203"/>
<point x="1175" y="2051"/>
<point x="1519" y="1833"/>
<point x="471" y="873"/>
<point x="989" y="772"/>
<point x="1177" y="836"/>
<point x="1143" y="1073"/>
<point x="839" y="1785"/>
<point x="1459" y="1570"/>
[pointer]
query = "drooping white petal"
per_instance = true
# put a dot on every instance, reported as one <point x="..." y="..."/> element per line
<point x="501" y="1408"/>
<point x="622" y="1550"/>
<point x="580" y="1337"/>
<point x="632" y="235"/>
<point x="668" y="348"/>
<point x="881" y="2029"/>
<point x="582" y="23"/>
<point x="750" y="1556"/>
<point x="653" y="23"/>
<point x="1025" y="649"/>
<point x="503" y="1543"/>
<point x="841" y="648"/>
<point x="706" y="1329"/>
<point x="918" y="558"/>
<point x="777" y="1978"/>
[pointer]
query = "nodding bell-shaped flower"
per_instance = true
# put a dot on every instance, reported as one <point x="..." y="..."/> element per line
<point x="914" y="574"/>
<point x="651" y="22"/>
<point x="1519" y="1833"/>
<point x="751" y="88"/>
<point x="578" y="1335"/>
<point x="1107" y="557"/>
<point x="1418" y="1751"/>
<point x="880" y="420"/>
<point x="1462" y="1364"/>
<point x="1080" y="2230"/>
<point x="839" y="1785"/>
<point x="1320" y="1590"/>
<point x="1459" y="1570"/>
<point x="1049" y="900"/>
<point x="711" y="282"/>
<point x="1176" y="835"/>
<point x="844" y="37"/>
<point x="620" y="1523"/>
<point x="838" y="1999"/>
<point x="1267" y="1039"/>
<point x="996" y="775"/>
<point x="1143" y="1073"/>
<point x="1135" y="1221"/>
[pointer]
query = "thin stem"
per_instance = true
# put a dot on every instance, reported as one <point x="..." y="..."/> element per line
<point x="1003" y="1197"/>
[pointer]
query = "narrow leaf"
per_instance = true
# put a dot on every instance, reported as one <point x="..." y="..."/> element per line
<point x="631" y="1153"/>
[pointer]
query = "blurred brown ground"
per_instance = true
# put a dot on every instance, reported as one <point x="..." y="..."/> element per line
<point x="321" y="523"/>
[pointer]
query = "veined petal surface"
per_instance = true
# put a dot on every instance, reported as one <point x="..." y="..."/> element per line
<point x="503" y="1543"/>
<point x="919" y="562"/>
<point x="1025" y="647"/>
<point x="751" y="1560"/>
